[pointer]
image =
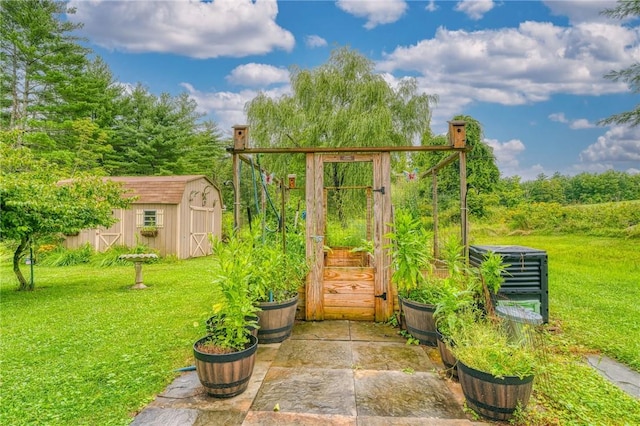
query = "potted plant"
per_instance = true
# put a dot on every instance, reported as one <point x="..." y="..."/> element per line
<point x="279" y="274"/>
<point x="225" y="357"/>
<point x="495" y="374"/>
<point x="464" y="293"/>
<point x="149" y="231"/>
<point x="418" y="289"/>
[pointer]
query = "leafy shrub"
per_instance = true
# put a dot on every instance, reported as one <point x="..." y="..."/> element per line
<point x="67" y="257"/>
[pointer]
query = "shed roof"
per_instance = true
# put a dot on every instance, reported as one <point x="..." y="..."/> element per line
<point x="157" y="189"/>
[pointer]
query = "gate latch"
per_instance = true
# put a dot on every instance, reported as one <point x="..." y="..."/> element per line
<point x="382" y="296"/>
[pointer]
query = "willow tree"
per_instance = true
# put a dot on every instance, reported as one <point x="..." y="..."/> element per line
<point x="342" y="103"/>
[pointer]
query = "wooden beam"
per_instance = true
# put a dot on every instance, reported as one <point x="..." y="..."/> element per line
<point x="362" y="149"/>
<point x="450" y="159"/>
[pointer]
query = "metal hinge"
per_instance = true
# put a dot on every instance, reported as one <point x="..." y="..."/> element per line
<point x="382" y="296"/>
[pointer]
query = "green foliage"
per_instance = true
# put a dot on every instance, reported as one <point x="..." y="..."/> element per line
<point x="629" y="75"/>
<point x="278" y="274"/>
<point x="584" y="188"/>
<point x="607" y="219"/>
<point x="86" y="350"/>
<point x="352" y="235"/>
<point x="485" y="346"/>
<point x="482" y="171"/>
<point x="591" y="281"/>
<point x="232" y="271"/>
<point x="341" y="103"/>
<point x="492" y="271"/>
<point x="410" y="255"/>
<point x="67" y="257"/>
<point x="35" y="204"/>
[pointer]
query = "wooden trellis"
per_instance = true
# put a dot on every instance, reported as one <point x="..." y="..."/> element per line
<point x="322" y="302"/>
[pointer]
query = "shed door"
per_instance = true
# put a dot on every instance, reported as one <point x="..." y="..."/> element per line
<point x="107" y="238"/>
<point x="201" y="225"/>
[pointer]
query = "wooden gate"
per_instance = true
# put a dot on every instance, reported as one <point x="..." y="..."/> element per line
<point x="358" y="292"/>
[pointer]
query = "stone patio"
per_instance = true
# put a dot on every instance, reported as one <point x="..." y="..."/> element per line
<point x="326" y="373"/>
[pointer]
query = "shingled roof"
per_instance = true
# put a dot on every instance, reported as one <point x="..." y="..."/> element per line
<point x="156" y="189"/>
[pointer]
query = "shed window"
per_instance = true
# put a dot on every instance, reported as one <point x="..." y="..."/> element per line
<point x="149" y="218"/>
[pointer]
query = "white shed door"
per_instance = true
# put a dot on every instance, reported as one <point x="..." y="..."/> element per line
<point x="201" y="223"/>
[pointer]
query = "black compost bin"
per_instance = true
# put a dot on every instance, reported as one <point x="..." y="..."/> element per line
<point x="526" y="280"/>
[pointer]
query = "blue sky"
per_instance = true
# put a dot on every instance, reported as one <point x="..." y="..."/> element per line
<point x="530" y="71"/>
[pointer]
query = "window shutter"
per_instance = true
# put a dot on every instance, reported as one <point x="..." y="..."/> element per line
<point x="139" y="218"/>
<point x="159" y="218"/>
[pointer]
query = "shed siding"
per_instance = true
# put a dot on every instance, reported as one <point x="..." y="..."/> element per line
<point x="199" y="211"/>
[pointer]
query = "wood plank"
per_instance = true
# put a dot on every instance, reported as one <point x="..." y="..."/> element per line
<point x="349" y="301"/>
<point x="348" y="274"/>
<point x="387" y="218"/>
<point x="315" y="235"/>
<point x="342" y="313"/>
<point x="348" y="287"/>
<point x="347" y="158"/>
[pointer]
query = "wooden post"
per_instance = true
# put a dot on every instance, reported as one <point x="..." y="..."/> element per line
<point x="283" y="219"/>
<point x="236" y="192"/>
<point x="436" y="248"/>
<point x="464" y="224"/>
<point x="314" y="308"/>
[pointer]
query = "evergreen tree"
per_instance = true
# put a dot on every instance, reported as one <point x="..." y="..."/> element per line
<point x="629" y="75"/>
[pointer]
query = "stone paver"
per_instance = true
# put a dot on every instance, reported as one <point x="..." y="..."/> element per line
<point x="619" y="374"/>
<point x="327" y="373"/>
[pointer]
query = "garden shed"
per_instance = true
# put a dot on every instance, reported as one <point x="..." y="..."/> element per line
<point x="172" y="214"/>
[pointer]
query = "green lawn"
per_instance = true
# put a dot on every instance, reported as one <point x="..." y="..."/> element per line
<point x="84" y="349"/>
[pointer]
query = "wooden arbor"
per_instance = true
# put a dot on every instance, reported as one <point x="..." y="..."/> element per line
<point x="353" y="299"/>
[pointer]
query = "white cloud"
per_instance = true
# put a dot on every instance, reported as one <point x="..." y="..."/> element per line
<point x="580" y="10"/>
<point x="474" y="9"/>
<point x="507" y="155"/>
<point x="182" y="27"/>
<point x="315" y="41"/>
<point x="255" y="75"/>
<point x="559" y="117"/>
<point x="376" y="12"/>
<point x="576" y="124"/>
<point x="527" y="64"/>
<point x="432" y="6"/>
<point x="618" y="144"/>
<point x="633" y="171"/>
<point x="581" y="123"/>
<point x="227" y="108"/>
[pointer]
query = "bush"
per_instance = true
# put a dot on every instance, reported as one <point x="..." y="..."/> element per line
<point x="67" y="257"/>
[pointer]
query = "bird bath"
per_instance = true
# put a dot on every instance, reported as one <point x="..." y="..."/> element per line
<point x="138" y="259"/>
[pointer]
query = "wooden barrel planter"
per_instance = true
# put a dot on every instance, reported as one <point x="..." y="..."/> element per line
<point x="225" y="375"/>
<point x="276" y="320"/>
<point x="419" y="321"/>
<point x="492" y="397"/>
<point x="448" y="359"/>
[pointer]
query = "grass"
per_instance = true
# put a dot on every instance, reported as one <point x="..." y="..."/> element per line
<point x="85" y="349"/>
<point x="594" y="286"/>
